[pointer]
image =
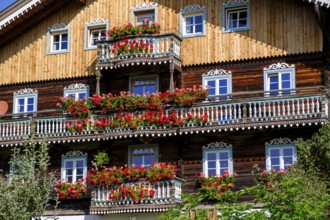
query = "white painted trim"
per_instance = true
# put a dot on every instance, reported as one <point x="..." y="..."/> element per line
<point x="20" y="12"/>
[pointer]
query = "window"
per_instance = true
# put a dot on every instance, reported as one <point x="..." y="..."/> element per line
<point x="144" y="13"/>
<point x="192" y="21"/>
<point x="144" y="85"/>
<point x="280" y="154"/>
<point x="77" y="91"/>
<point x="219" y="83"/>
<point x="74" y="166"/>
<point x="217" y="158"/>
<point x="25" y="100"/>
<point x="235" y="17"/>
<point x="143" y="155"/>
<point x="279" y="77"/>
<point x="95" y="31"/>
<point x="58" y="39"/>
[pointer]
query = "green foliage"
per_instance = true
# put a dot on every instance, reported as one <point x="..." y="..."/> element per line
<point x="314" y="153"/>
<point x="24" y="194"/>
<point x="101" y="159"/>
<point x="298" y="194"/>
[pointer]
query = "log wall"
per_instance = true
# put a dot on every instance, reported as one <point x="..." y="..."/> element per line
<point x="277" y="28"/>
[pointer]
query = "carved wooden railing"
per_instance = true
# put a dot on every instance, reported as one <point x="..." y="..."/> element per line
<point x="166" y="193"/>
<point x="166" y="49"/>
<point x="242" y="109"/>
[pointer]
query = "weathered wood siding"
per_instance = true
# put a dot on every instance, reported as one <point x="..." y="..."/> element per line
<point x="247" y="76"/>
<point x="277" y="28"/>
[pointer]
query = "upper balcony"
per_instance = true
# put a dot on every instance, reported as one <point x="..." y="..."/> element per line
<point x="146" y="49"/>
<point x="237" y="111"/>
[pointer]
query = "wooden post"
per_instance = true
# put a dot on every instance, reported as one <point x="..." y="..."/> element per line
<point x="244" y="111"/>
<point x="98" y="77"/>
<point x="171" y="77"/>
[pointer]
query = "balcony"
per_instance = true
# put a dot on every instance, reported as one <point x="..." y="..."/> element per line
<point x="239" y="111"/>
<point x="165" y="49"/>
<point x="167" y="195"/>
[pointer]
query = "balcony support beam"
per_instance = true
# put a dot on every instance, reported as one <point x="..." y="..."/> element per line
<point x="171" y="77"/>
<point x="98" y="77"/>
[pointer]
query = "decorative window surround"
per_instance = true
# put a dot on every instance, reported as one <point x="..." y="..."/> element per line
<point x="96" y="26"/>
<point x="279" y="76"/>
<point x="25" y="100"/>
<point x="133" y="84"/>
<point x="220" y="83"/>
<point x="77" y="91"/>
<point x="196" y="16"/>
<point x="237" y="11"/>
<point x="73" y="166"/>
<point x="143" y="154"/>
<point x="148" y="10"/>
<point x="217" y="157"/>
<point x="280" y="153"/>
<point x="58" y="39"/>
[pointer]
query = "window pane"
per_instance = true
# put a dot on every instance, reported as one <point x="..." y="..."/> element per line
<point x="211" y="83"/>
<point x="79" y="163"/>
<point x="212" y="91"/>
<point x="223" y="91"/>
<point x="30" y="101"/>
<point x="211" y="156"/>
<point x="56" y="38"/>
<point x="138" y="91"/>
<point x="198" y="19"/>
<point x="150" y="89"/>
<point x="288" y="152"/>
<point x="224" y="164"/>
<point x="211" y="164"/>
<point x="285" y="76"/>
<point x="212" y="172"/>
<point x="242" y="23"/>
<point x="148" y="159"/>
<point x="189" y="29"/>
<point x="243" y="15"/>
<point x="137" y="160"/>
<point x="72" y="96"/>
<point x="21" y="101"/>
<point x="273" y="79"/>
<point x="64" y="45"/>
<point x="69" y="164"/>
<point x="232" y="24"/>
<point x="80" y="177"/>
<point x="288" y="160"/>
<point x="233" y="16"/>
<point x="223" y="82"/>
<point x="275" y="153"/>
<point x="82" y="96"/>
<point x="69" y="172"/>
<point x="80" y="171"/>
<point x="224" y="156"/>
<point x="286" y="85"/>
<point x="189" y="20"/>
<point x="69" y="179"/>
<point x="199" y="28"/>
<point x="56" y="46"/>
<point x="275" y="161"/>
<point x="64" y="37"/>
<point x="30" y="108"/>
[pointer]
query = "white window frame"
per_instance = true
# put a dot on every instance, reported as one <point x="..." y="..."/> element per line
<point x="136" y="78"/>
<point x="279" y="69"/>
<point x="25" y="94"/>
<point x="131" y="148"/>
<point x="228" y="9"/>
<point x="73" y="156"/>
<point x="144" y="8"/>
<point x="57" y="29"/>
<point x="76" y="89"/>
<point x="192" y="11"/>
<point x="95" y="25"/>
<point x="218" y="75"/>
<point x="217" y="148"/>
<point x="280" y="144"/>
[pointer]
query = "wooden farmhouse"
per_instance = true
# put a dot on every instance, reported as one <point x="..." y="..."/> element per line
<point x="264" y="63"/>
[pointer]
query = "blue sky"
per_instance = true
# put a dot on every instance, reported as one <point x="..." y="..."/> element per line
<point x="5" y="3"/>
